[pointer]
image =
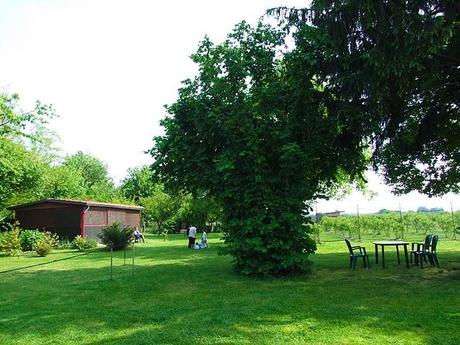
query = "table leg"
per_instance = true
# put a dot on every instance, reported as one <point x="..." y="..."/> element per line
<point x="376" y="254"/>
<point x="397" y="253"/>
<point x="383" y="256"/>
<point x="405" y="254"/>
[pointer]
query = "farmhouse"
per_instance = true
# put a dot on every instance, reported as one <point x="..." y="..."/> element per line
<point x="69" y="218"/>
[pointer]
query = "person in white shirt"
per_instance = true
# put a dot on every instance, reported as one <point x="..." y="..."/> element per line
<point x="191" y="237"/>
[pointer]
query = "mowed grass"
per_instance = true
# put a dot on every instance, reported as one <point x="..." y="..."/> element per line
<point x="182" y="296"/>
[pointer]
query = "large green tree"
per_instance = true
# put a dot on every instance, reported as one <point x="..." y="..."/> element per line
<point x="395" y="67"/>
<point x="256" y="131"/>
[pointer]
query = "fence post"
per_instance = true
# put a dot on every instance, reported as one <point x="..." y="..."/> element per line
<point x="401" y="220"/>
<point x="111" y="263"/>
<point x="133" y="261"/>
<point x="359" y="223"/>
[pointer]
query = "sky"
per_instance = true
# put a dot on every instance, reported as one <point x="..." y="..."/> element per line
<point x="110" y="66"/>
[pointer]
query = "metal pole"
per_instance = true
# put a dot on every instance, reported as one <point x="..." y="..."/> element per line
<point x="111" y="263"/>
<point x="133" y="262"/>
<point x="401" y="220"/>
<point x="359" y="224"/>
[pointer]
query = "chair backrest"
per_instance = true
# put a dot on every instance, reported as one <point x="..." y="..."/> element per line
<point x="349" y="246"/>
<point x="428" y="240"/>
<point x="434" y="243"/>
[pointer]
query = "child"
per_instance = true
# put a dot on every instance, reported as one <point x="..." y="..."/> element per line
<point x="204" y="239"/>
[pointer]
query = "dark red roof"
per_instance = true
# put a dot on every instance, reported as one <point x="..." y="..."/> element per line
<point x="78" y="202"/>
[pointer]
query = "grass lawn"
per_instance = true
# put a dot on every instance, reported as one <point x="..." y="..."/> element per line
<point x="182" y="296"/>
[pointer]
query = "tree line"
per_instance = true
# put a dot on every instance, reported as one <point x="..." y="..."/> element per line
<point x="31" y="168"/>
<point x="390" y="224"/>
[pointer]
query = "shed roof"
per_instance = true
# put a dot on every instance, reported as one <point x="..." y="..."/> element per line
<point x="78" y="202"/>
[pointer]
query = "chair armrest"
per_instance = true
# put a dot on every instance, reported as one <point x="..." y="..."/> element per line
<point x="363" y="250"/>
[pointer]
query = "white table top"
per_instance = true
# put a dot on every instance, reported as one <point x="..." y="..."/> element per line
<point x="390" y="243"/>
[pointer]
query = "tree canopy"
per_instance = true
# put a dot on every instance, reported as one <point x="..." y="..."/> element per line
<point x="258" y="133"/>
<point x="395" y="66"/>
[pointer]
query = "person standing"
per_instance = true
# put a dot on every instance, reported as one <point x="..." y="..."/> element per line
<point x="191" y="237"/>
<point x="204" y="239"/>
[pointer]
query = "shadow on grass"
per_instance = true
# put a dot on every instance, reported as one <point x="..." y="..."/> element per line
<point x="199" y="300"/>
<point x="23" y="267"/>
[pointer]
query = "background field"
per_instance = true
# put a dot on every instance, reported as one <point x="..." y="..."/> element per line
<point x="182" y="296"/>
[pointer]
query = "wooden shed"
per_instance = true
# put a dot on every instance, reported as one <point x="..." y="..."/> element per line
<point x="69" y="218"/>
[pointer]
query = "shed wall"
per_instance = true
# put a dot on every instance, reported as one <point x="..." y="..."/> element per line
<point x="97" y="218"/>
<point x="63" y="220"/>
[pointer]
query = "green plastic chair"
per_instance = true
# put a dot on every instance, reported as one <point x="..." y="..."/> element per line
<point x="429" y="252"/>
<point x="419" y="246"/>
<point x="355" y="255"/>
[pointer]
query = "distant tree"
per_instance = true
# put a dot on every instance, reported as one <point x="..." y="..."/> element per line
<point x="90" y="168"/>
<point x="21" y="173"/>
<point x="140" y="183"/>
<point x="63" y="182"/>
<point x="106" y="191"/>
<point x="159" y="209"/>
<point x="422" y="209"/>
<point x="22" y="136"/>
<point x="199" y="211"/>
<point x="94" y="177"/>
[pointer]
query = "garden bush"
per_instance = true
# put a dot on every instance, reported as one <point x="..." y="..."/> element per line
<point x="44" y="245"/>
<point x="10" y="242"/>
<point x="43" y="248"/>
<point x="82" y="243"/>
<point x="29" y="238"/>
<point x="116" y="237"/>
<point x="65" y="243"/>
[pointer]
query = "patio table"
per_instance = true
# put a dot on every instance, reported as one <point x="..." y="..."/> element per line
<point x="396" y="244"/>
